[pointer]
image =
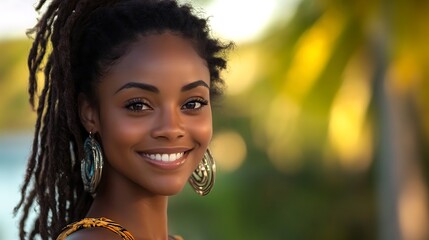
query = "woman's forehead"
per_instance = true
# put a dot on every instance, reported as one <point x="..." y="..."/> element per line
<point x="164" y="44"/>
<point x="158" y="59"/>
<point x="166" y="51"/>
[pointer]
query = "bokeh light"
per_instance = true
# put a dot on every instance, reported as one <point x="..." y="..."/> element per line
<point x="324" y="126"/>
<point x="229" y="150"/>
<point x="349" y="133"/>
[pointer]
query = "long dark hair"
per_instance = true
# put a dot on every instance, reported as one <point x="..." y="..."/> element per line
<point x="75" y="43"/>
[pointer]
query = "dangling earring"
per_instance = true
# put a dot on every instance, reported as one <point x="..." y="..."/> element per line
<point x="202" y="179"/>
<point x="91" y="165"/>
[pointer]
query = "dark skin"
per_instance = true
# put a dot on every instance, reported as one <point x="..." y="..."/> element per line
<point x="154" y="121"/>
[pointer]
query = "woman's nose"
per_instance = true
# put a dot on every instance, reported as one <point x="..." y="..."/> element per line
<point x="168" y="125"/>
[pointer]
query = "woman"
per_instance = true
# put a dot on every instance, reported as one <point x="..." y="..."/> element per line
<point x="123" y="119"/>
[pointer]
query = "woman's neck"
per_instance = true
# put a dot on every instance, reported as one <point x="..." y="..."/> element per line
<point x="141" y="213"/>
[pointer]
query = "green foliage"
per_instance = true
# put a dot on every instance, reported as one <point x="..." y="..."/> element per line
<point x="15" y="112"/>
<point x="313" y="195"/>
<point x="306" y="190"/>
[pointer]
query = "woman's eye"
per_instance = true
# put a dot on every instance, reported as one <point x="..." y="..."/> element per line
<point x="137" y="105"/>
<point x="194" y="104"/>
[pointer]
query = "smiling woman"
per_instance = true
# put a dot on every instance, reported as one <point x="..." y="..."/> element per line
<point x="128" y="91"/>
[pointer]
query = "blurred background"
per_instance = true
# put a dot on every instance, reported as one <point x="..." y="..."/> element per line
<point x="323" y="133"/>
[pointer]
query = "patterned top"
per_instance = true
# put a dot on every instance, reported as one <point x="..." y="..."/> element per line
<point x="103" y="223"/>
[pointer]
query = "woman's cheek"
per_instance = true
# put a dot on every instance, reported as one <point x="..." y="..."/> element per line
<point x="202" y="129"/>
<point x="123" y="129"/>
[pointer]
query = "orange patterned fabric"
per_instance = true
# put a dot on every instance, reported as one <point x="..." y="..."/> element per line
<point x="103" y="223"/>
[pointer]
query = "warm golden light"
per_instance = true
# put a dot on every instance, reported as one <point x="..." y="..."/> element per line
<point x="281" y="131"/>
<point x="349" y="136"/>
<point x="404" y="73"/>
<point x="413" y="209"/>
<point x="243" y="74"/>
<point x="312" y="53"/>
<point x="229" y="150"/>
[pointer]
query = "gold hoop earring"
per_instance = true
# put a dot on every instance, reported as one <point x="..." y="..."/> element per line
<point x="202" y="179"/>
<point x="91" y="165"/>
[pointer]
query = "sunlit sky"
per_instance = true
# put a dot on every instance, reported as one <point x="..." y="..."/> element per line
<point x="236" y="20"/>
<point x="16" y="17"/>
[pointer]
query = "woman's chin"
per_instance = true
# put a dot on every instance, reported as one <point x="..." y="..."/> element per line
<point x="168" y="188"/>
<point x="168" y="191"/>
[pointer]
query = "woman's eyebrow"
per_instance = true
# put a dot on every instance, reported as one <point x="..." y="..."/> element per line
<point x="195" y="84"/>
<point x="143" y="86"/>
<point x="154" y="89"/>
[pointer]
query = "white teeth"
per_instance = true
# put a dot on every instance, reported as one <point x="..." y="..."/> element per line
<point x="174" y="157"/>
<point x="164" y="157"/>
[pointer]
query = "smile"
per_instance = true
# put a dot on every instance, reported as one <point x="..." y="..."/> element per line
<point x="164" y="157"/>
<point x="167" y="159"/>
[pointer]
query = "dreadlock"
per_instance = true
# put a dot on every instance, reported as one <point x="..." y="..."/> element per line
<point x="75" y="42"/>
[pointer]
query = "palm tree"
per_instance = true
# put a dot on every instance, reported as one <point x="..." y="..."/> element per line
<point x="345" y="81"/>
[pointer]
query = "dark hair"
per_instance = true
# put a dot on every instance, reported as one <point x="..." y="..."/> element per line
<point x="76" y="41"/>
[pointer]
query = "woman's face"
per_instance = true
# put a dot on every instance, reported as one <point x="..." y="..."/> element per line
<point x="153" y="116"/>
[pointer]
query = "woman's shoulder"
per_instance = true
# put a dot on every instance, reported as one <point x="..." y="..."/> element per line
<point x="98" y="228"/>
<point x="95" y="228"/>
<point x="93" y="233"/>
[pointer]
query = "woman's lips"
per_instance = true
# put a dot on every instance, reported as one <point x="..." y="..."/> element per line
<point x="164" y="157"/>
<point x="168" y="161"/>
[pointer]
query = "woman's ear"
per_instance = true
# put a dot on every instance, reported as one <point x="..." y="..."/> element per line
<point x="88" y="114"/>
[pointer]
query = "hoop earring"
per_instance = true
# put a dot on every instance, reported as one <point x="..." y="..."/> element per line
<point x="91" y="165"/>
<point x="202" y="179"/>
